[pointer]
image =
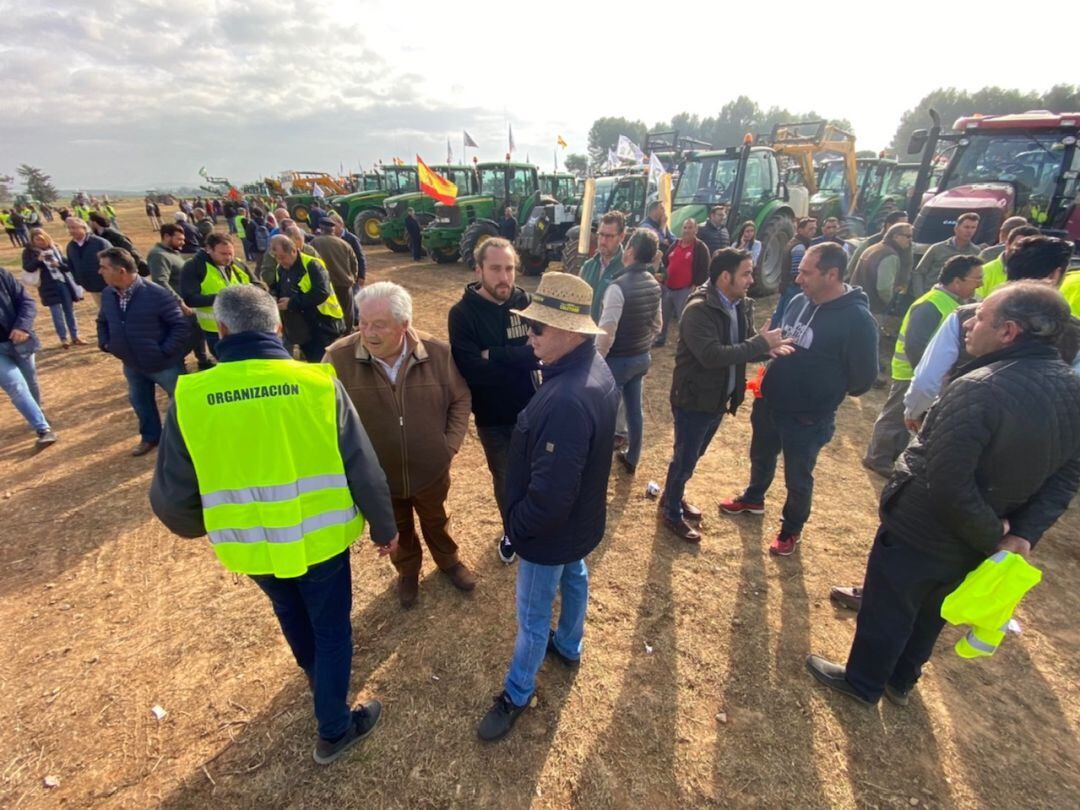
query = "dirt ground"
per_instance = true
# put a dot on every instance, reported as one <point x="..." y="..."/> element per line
<point x="691" y="693"/>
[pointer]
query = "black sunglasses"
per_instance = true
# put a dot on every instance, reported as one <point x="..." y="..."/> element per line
<point x="535" y="327"/>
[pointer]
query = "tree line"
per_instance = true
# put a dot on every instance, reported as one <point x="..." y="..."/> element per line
<point x="743" y="115"/>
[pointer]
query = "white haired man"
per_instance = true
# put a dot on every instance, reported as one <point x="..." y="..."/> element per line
<point x="246" y="458"/>
<point x="415" y="406"/>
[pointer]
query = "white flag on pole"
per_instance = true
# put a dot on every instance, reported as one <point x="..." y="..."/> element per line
<point x="656" y="168"/>
<point x="628" y="150"/>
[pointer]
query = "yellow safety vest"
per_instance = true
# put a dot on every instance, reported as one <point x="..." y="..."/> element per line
<point x="1070" y="288"/>
<point x="945" y="303"/>
<point x="239" y="225"/>
<point x="4" y="220"/>
<point x="214" y="281"/>
<point x="263" y="437"/>
<point x="986" y="600"/>
<point x="331" y="307"/>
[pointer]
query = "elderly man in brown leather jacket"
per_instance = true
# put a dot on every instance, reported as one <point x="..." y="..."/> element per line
<point x="415" y="407"/>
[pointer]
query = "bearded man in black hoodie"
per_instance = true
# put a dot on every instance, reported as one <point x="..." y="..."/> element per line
<point x="490" y="348"/>
<point x="835" y="339"/>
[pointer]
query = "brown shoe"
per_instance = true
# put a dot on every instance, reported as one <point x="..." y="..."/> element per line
<point x="143" y="448"/>
<point x="690" y="512"/>
<point x="408" y="588"/>
<point x="683" y="530"/>
<point x="462" y="577"/>
<point x="78" y="342"/>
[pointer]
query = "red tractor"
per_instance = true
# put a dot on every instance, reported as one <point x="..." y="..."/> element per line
<point x="997" y="166"/>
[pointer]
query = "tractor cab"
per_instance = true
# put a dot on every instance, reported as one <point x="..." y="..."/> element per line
<point x="392" y="230"/>
<point x="747" y="179"/>
<point x="363" y="211"/>
<point x="1002" y="165"/>
<point x="560" y="186"/>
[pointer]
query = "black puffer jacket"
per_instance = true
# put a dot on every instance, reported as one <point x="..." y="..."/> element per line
<point x="1003" y="441"/>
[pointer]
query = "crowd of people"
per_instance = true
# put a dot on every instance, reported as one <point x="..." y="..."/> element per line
<point x="322" y="406"/>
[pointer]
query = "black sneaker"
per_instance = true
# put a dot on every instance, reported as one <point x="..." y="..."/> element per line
<point x="45" y="438"/>
<point x="567" y="661"/>
<point x="363" y="723"/>
<point x="506" y="550"/>
<point x="897" y="697"/>
<point x="499" y="719"/>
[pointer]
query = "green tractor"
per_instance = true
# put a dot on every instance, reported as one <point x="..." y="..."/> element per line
<point x="624" y="191"/>
<point x="363" y="211"/>
<point x="545" y="221"/>
<point x="457" y="230"/>
<point x="392" y="230"/>
<point x="747" y="178"/>
<point x="863" y="212"/>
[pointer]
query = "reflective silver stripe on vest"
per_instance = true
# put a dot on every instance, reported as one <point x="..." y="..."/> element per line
<point x="274" y="494"/>
<point x="287" y="534"/>
<point x="999" y="556"/>
<point x="980" y="645"/>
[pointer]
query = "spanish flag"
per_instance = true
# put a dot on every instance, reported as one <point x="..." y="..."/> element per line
<point x="560" y="141"/>
<point x="435" y="185"/>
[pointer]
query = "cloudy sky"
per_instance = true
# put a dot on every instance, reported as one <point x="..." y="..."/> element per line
<point x="136" y="94"/>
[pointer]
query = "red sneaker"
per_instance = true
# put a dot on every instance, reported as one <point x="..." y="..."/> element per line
<point x="784" y="544"/>
<point x="736" y="506"/>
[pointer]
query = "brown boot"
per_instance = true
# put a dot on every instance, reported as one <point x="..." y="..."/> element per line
<point x="462" y="577"/>
<point x="408" y="588"/>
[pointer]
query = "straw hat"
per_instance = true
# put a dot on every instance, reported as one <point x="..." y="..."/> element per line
<point x="564" y="302"/>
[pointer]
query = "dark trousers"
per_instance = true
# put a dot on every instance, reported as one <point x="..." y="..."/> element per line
<point x="212" y="339"/>
<point x="345" y="298"/>
<point x="313" y="610"/>
<point x="890" y="437"/>
<point x="141" y="395"/>
<point x="429" y="504"/>
<point x="495" y="440"/>
<point x="800" y="441"/>
<point x="900" y="617"/>
<point x="197" y="341"/>
<point x="415" y="246"/>
<point x="693" y="432"/>
<point x="315" y="349"/>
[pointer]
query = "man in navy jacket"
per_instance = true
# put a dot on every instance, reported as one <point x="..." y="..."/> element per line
<point x="82" y="255"/>
<point x="141" y="324"/>
<point x="556" y="487"/>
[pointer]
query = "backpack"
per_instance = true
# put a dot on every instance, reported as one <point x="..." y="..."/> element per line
<point x="261" y="237"/>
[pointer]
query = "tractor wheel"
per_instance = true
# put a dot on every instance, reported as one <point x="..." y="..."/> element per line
<point x="534" y="265"/>
<point x="774" y="236"/>
<point x="397" y="245"/>
<point x="571" y="259"/>
<point x="474" y="236"/>
<point x="366" y="226"/>
<point x="444" y="255"/>
<point x="300" y="213"/>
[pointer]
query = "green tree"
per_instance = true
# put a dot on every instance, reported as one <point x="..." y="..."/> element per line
<point x="604" y="134"/>
<point x="5" y="187"/>
<point x="951" y="104"/>
<point x="38" y="184"/>
<point x="578" y="164"/>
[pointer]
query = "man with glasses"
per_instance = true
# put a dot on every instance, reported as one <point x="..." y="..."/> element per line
<point x="606" y="263"/>
<point x="958" y="281"/>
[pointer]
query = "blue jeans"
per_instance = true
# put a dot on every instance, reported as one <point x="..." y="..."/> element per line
<point x="141" y="397"/>
<point x="629" y="373"/>
<point x="693" y="432"/>
<point x="536" y="587"/>
<point x="18" y="378"/>
<point x="63" y="314"/>
<point x="800" y="441"/>
<point x="313" y="610"/>
<point x="672" y="304"/>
